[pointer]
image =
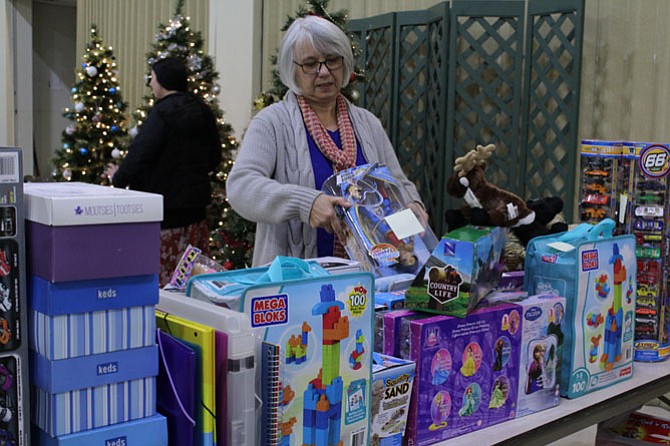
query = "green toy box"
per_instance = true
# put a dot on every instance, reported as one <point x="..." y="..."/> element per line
<point x="464" y="267"/>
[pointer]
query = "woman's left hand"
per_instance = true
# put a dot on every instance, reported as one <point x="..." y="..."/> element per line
<point x="323" y="214"/>
<point x="110" y="170"/>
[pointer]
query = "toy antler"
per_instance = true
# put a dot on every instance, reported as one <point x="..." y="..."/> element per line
<point x="475" y="157"/>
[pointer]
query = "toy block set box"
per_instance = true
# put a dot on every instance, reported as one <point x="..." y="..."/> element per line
<point x="542" y="317"/>
<point x="322" y="330"/>
<point x="392" y="380"/>
<point x="384" y="235"/>
<point x="596" y="273"/>
<point x="464" y="267"/>
<point x="467" y="372"/>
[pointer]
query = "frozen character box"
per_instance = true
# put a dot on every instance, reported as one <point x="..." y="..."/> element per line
<point x="384" y="234"/>
<point x="467" y="372"/>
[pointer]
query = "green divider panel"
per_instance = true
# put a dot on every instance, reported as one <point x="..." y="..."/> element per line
<point x="470" y="72"/>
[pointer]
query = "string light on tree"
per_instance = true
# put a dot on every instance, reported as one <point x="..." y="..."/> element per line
<point x="231" y="237"/>
<point x="97" y="117"/>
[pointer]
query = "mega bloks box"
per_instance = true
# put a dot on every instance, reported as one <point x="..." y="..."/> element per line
<point x="383" y="234"/>
<point x="464" y="267"/>
<point x="93" y="407"/>
<point x="467" y="372"/>
<point x="323" y="328"/>
<point x="596" y="272"/>
<point x="541" y="348"/>
<point x="392" y="380"/>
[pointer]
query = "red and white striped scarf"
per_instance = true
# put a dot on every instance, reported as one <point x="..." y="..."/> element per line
<point x="341" y="159"/>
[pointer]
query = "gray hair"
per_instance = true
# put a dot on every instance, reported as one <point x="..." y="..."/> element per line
<point x="326" y="38"/>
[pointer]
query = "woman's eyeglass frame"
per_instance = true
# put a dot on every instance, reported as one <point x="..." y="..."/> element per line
<point x="331" y="63"/>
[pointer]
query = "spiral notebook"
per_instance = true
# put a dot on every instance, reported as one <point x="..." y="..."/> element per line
<point x="271" y="392"/>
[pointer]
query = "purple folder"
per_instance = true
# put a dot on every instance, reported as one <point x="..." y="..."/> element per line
<point x="221" y="342"/>
<point x="175" y="388"/>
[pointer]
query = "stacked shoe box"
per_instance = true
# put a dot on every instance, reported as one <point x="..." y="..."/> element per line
<point x="14" y="392"/>
<point x="93" y="263"/>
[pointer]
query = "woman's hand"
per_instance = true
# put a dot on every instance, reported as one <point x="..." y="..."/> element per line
<point x="418" y="210"/>
<point x="323" y="214"/>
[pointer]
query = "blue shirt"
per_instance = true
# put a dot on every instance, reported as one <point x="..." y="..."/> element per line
<point x="323" y="169"/>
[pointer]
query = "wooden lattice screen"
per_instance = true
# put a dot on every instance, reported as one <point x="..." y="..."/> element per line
<point x="470" y="72"/>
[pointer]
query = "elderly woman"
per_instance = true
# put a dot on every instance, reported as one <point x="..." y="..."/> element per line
<point x="293" y="146"/>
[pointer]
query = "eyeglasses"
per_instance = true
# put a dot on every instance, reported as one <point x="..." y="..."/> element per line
<point x="312" y="66"/>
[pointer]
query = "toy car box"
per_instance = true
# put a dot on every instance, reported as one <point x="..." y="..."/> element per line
<point x="467" y="372"/>
<point x="392" y="380"/>
<point x="384" y="235"/>
<point x="464" y="267"/>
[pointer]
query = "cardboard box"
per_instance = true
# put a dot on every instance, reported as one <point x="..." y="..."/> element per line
<point x="70" y="253"/>
<point x="83" y="296"/>
<point x="149" y="431"/>
<point x="323" y="330"/>
<point x="542" y="343"/>
<point x="464" y="267"/>
<point x="467" y="372"/>
<point x="392" y="380"/>
<point x="74" y="204"/>
<point x="633" y="429"/>
<point x="93" y="370"/>
<point x="72" y="335"/>
<point x="93" y="407"/>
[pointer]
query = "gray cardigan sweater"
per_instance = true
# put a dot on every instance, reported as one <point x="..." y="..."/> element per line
<point x="272" y="181"/>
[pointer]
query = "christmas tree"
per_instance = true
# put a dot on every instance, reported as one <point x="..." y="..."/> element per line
<point x="98" y="126"/>
<point x="231" y="236"/>
<point x="339" y="18"/>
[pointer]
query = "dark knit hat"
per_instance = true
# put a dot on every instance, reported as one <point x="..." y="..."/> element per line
<point x="171" y="74"/>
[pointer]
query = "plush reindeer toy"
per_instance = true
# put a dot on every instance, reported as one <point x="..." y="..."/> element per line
<point x="487" y="204"/>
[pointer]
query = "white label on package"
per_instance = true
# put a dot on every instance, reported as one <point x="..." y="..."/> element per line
<point x="404" y="224"/>
<point x="561" y="246"/>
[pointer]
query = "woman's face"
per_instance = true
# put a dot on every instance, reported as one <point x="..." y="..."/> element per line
<point x="322" y="87"/>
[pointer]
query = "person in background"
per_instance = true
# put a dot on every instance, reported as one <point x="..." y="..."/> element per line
<point x="291" y="147"/>
<point x="172" y="155"/>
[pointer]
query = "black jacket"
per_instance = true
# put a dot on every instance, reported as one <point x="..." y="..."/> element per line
<point x="175" y="149"/>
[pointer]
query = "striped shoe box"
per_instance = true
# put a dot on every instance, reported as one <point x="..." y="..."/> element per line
<point x="71" y="335"/>
<point x="94" y="407"/>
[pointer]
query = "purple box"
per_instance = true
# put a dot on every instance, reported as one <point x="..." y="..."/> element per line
<point x="393" y="339"/>
<point x="466" y="372"/>
<point x="65" y="253"/>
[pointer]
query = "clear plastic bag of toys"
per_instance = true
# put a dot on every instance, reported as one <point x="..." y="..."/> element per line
<point x="383" y="234"/>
